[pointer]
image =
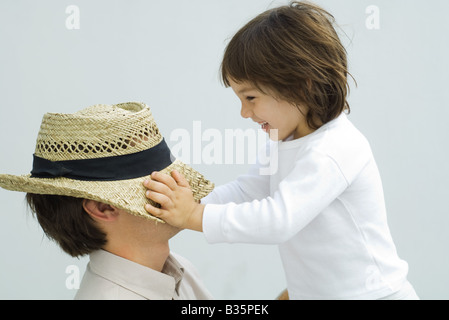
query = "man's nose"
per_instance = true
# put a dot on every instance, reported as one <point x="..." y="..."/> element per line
<point x="246" y="111"/>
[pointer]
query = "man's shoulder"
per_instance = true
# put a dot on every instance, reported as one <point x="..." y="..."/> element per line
<point x="192" y="286"/>
<point x="184" y="262"/>
<point x="96" y="287"/>
<point x="127" y="281"/>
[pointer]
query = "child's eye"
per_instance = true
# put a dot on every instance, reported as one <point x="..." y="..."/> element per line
<point x="249" y="98"/>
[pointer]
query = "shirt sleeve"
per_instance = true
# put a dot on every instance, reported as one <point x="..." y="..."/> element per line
<point x="255" y="184"/>
<point x="315" y="181"/>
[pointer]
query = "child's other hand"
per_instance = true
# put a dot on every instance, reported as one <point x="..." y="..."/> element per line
<point x="173" y="193"/>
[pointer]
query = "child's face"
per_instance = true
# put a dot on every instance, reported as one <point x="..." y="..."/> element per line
<point x="271" y="113"/>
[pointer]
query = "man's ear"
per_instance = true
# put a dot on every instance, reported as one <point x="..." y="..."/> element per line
<point x="100" y="211"/>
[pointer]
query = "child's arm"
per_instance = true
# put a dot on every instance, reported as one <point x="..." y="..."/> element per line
<point x="247" y="187"/>
<point x="311" y="186"/>
<point x="314" y="182"/>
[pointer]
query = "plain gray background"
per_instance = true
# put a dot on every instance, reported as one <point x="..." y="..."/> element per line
<point x="167" y="54"/>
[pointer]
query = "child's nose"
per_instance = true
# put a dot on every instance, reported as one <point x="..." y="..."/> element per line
<point x="246" y="111"/>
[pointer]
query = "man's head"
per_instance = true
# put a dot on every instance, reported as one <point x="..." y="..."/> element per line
<point x="81" y="226"/>
<point x="65" y="221"/>
<point x="86" y="186"/>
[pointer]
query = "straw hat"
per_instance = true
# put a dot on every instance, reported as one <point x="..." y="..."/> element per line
<point x="102" y="153"/>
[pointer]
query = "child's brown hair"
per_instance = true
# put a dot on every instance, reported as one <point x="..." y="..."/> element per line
<point x="295" y="53"/>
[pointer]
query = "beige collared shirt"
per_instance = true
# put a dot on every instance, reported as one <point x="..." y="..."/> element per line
<point x="110" y="277"/>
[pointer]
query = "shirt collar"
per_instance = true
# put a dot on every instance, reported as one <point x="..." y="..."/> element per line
<point x="142" y="280"/>
<point x="174" y="269"/>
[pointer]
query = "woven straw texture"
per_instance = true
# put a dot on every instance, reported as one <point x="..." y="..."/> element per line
<point x="95" y="132"/>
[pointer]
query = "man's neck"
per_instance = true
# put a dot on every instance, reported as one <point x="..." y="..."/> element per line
<point x="152" y="256"/>
<point x="142" y="241"/>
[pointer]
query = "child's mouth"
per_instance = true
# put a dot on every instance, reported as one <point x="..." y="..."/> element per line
<point x="265" y="126"/>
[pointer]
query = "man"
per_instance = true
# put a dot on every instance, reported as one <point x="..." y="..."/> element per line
<point x="86" y="190"/>
<point x="136" y="262"/>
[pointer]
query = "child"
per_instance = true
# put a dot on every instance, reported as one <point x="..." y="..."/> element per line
<point x="324" y="206"/>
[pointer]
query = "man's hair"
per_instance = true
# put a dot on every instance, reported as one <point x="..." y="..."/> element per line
<point x="65" y="221"/>
<point x="295" y="53"/>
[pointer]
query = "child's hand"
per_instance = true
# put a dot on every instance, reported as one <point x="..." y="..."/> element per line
<point x="173" y="193"/>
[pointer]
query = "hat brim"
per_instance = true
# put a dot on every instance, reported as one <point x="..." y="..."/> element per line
<point x="128" y="195"/>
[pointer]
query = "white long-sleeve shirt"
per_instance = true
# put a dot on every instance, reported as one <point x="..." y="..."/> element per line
<point x="324" y="206"/>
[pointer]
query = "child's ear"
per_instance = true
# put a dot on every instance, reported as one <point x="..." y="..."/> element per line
<point x="309" y="84"/>
<point x="100" y="211"/>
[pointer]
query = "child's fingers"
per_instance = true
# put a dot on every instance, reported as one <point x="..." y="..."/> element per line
<point x="160" y="198"/>
<point x="165" y="179"/>
<point x="157" y="212"/>
<point x="180" y="179"/>
<point x="159" y="187"/>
